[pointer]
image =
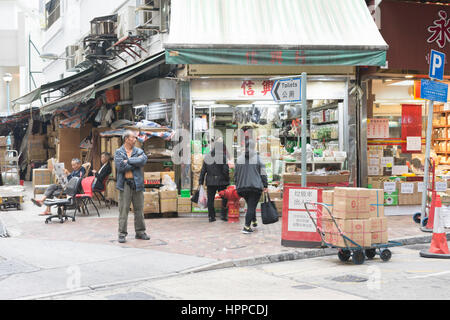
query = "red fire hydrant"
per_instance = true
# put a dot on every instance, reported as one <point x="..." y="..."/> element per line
<point x="233" y="203"/>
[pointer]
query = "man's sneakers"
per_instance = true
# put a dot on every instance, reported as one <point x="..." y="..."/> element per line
<point x="142" y="236"/>
<point x="254" y="224"/>
<point x="122" y="239"/>
<point x="247" y="230"/>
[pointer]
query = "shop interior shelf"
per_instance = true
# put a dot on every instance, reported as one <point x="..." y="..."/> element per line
<point x="327" y="106"/>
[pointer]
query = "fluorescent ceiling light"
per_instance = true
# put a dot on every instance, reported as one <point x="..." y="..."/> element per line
<point x="409" y="76"/>
<point x="403" y="83"/>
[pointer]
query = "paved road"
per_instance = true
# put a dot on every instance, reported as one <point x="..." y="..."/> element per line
<point x="406" y="276"/>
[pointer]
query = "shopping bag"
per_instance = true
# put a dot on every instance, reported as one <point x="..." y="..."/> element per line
<point x="202" y="198"/>
<point x="196" y="195"/>
<point x="269" y="213"/>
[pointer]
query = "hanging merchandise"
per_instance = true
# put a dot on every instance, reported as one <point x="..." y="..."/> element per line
<point x="109" y="117"/>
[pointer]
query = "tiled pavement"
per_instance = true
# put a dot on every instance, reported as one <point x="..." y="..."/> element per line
<point x="187" y="235"/>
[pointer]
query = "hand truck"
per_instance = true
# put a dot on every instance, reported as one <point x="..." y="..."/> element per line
<point x="357" y="252"/>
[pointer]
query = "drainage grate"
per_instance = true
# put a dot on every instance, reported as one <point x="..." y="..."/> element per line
<point x="349" y="278"/>
<point x="131" y="296"/>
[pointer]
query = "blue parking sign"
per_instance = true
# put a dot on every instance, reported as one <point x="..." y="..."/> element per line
<point x="437" y="63"/>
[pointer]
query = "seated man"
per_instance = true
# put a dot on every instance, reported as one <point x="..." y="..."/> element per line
<point x="103" y="173"/>
<point x="55" y="189"/>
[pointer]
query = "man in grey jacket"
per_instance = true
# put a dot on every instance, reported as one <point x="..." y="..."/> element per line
<point x="251" y="181"/>
<point x="129" y="162"/>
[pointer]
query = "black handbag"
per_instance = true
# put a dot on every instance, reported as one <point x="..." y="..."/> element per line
<point x="196" y="195"/>
<point x="269" y="213"/>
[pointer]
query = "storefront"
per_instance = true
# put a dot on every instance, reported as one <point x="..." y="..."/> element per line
<point x="231" y="56"/>
<point x="395" y="121"/>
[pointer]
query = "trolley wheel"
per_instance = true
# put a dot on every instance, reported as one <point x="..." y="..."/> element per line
<point x="344" y="255"/>
<point x="416" y="217"/>
<point x="424" y="222"/>
<point x="358" y="257"/>
<point x="386" y="254"/>
<point x="370" y="253"/>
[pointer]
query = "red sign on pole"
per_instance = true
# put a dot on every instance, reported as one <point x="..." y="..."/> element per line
<point x="297" y="228"/>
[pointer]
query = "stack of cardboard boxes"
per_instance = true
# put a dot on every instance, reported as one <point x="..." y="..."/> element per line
<point x="359" y="214"/>
<point x="42" y="178"/>
<point x="151" y="201"/>
<point x="168" y="201"/>
<point x="37" y="149"/>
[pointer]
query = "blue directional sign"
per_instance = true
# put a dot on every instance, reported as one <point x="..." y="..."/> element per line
<point x="433" y="90"/>
<point x="437" y="63"/>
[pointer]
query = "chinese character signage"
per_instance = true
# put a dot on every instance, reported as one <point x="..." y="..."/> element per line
<point x="377" y="128"/>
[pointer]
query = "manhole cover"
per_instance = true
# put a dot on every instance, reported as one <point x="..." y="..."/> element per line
<point x="303" y="287"/>
<point x="349" y="278"/>
<point x="131" y="296"/>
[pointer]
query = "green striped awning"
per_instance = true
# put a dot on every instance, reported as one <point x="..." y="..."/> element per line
<point x="274" y="32"/>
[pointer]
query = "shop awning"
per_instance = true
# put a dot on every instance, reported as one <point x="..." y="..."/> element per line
<point x="87" y="93"/>
<point x="274" y="32"/>
<point x="66" y="83"/>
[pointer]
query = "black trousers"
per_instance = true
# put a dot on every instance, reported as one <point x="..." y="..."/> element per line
<point x="252" y="199"/>
<point x="211" y="192"/>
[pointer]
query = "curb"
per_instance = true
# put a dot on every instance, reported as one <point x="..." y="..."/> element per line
<point x="253" y="261"/>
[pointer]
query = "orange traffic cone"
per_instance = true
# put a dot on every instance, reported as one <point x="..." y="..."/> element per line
<point x="439" y="246"/>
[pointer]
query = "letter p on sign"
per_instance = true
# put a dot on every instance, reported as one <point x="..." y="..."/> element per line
<point x="437" y="62"/>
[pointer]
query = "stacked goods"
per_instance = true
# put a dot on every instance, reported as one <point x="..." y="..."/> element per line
<point x="196" y="166"/>
<point x="409" y="194"/>
<point x="327" y="199"/>
<point x="351" y="210"/>
<point x="184" y="205"/>
<point x="168" y="200"/>
<point x="42" y="177"/>
<point x="3" y="148"/>
<point x="151" y="201"/>
<point x="36" y="148"/>
<point x="378" y="222"/>
<point x="171" y="174"/>
<point x="152" y="178"/>
<point x="154" y="143"/>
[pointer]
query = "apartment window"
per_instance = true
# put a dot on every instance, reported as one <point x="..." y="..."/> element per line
<point x="52" y="12"/>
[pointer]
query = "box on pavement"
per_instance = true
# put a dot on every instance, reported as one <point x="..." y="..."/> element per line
<point x="168" y="200"/>
<point x="184" y="205"/>
<point x="376" y="202"/>
<point x="351" y="203"/>
<point x="42" y="177"/>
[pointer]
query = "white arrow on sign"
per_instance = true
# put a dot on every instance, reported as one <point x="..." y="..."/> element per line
<point x="289" y="90"/>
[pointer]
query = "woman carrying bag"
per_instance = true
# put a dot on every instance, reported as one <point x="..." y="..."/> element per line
<point x="251" y="182"/>
<point x="217" y="172"/>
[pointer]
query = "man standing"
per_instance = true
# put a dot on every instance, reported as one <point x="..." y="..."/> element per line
<point x="129" y="162"/>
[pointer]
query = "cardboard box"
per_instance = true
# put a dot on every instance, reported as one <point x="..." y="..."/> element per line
<point x="362" y="239"/>
<point x="168" y="205"/>
<point x="376" y="202"/>
<point x="167" y="194"/>
<point x="154" y="143"/>
<point x="378" y="224"/>
<point x="327" y="179"/>
<point x="327" y="198"/>
<point x="183" y="208"/>
<point x="351" y="203"/>
<point x="379" y="237"/>
<point x="152" y="177"/>
<point x="279" y="206"/>
<point x="151" y="202"/>
<point x="42" y="177"/>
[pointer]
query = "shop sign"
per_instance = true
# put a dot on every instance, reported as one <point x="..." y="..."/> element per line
<point x="411" y="30"/>
<point x="298" y="230"/>
<point x="377" y="128"/>
<point x="441" y="186"/>
<point x="390" y="187"/>
<point x="407" y="187"/>
<point x="414" y="143"/>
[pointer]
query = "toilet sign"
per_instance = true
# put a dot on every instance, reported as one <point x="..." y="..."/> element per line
<point x="437" y="62"/>
<point x="288" y="90"/>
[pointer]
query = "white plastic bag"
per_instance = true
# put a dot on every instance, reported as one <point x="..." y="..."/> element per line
<point x="202" y="198"/>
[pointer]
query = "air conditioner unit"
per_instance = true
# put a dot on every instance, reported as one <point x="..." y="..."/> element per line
<point x="125" y="22"/>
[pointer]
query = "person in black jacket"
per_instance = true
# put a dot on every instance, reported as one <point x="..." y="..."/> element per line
<point x="217" y="172"/>
<point x="251" y="182"/>
<point x="102" y="173"/>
